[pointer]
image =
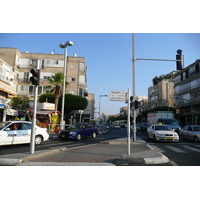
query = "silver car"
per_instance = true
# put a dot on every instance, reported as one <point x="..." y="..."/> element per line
<point x="191" y="132"/>
<point x="162" y="133"/>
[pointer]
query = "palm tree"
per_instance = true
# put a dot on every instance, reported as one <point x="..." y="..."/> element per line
<point x="57" y="81"/>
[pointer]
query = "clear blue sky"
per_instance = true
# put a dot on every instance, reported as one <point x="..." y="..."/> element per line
<point x="108" y="57"/>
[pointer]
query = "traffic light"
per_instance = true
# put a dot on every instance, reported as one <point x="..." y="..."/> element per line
<point x="179" y="60"/>
<point x="35" y="79"/>
<point x="136" y="104"/>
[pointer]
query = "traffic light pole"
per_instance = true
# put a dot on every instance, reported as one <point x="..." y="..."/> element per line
<point x="32" y="144"/>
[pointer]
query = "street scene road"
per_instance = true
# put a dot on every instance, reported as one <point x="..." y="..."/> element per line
<point x="107" y="148"/>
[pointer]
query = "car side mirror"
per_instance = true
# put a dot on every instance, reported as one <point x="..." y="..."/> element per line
<point x="7" y="129"/>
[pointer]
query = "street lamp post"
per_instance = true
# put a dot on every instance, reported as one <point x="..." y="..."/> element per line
<point x="100" y="107"/>
<point x="64" y="46"/>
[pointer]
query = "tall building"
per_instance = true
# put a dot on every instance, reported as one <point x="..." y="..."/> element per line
<point x="162" y="93"/>
<point x="187" y="94"/>
<point x="7" y="90"/>
<point x="49" y="65"/>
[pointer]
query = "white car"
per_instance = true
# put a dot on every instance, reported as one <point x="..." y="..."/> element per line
<point x="159" y="132"/>
<point x="191" y="132"/>
<point x="19" y="132"/>
<point x="116" y="126"/>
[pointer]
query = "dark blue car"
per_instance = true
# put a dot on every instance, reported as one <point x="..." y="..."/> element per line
<point x="79" y="131"/>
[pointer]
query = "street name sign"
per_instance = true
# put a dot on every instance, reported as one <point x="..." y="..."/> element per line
<point x="117" y="95"/>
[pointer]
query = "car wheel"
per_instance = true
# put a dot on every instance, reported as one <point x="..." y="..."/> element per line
<point x="38" y="139"/>
<point x="94" y="135"/>
<point x="196" y="139"/>
<point x="148" y="136"/>
<point x="78" y="137"/>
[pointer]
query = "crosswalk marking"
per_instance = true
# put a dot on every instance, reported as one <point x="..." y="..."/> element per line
<point x="195" y="148"/>
<point x="175" y="149"/>
<point x="191" y="148"/>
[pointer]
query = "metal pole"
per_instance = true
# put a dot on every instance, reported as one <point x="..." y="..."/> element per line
<point x="63" y="95"/>
<point x="99" y="111"/>
<point x="134" y="84"/>
<point x="128" y="125"/>
<point x="32" y="144"/>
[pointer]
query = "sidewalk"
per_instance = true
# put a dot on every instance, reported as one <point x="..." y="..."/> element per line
<point x="106" y="153"/>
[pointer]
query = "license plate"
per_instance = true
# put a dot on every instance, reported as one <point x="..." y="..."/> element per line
<point x="169" y="138"/>
<point x="63" y="136"/>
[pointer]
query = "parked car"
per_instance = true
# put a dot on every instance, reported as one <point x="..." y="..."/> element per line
<point x="116" y="126"/>
<point x="191" y="132"/>
<point x="144" y="126"/>
<point x="19" y="132"/>
<point x="171" y="122"/>
<point x="162" y="133"/>
<point x="78" y="132"/>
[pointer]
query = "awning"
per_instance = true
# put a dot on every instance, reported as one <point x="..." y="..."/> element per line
<point x="12" y="112"/>
<point x="2" y="106"/>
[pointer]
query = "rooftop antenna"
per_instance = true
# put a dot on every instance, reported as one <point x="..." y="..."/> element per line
<point x="77" y="48"/>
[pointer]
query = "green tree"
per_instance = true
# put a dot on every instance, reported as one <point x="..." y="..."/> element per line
<point x="19" y="102"/>
<point x="72" y="102"/>
<point x="57" y="81"/>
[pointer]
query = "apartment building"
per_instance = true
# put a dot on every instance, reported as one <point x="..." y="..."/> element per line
<point x="187" y="94"/>
<point x="49" y="64"/>
<point x="7" y="90"/>
<point x="162" y="93"/>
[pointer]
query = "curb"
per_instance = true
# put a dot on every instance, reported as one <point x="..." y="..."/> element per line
<point x="10" y="161"/>
<point x="160" y="159"/>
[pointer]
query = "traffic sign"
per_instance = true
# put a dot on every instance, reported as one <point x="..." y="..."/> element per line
<point x="117" y="95"/>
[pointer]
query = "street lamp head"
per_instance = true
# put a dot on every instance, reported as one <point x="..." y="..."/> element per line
<point x="103" y="95"/>
<point x="69" y="43"/>
<point x="62" y="45"/>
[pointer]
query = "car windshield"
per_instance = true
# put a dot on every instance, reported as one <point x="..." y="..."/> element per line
<point x="75" y="126"/>
<point x="4" y="124"/>
<point x="170" y="121"/>
<point x="164" y="128"/>
<point x="196" y="128"/>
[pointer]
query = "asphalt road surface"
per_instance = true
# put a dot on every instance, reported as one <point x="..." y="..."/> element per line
<point x="183" y="153"/>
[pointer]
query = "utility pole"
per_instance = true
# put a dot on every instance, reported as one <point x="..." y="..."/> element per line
<point x="134" y="85"/>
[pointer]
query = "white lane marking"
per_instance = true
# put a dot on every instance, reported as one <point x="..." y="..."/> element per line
<point x="175" y="149"/>
<point x="191" y="148"/>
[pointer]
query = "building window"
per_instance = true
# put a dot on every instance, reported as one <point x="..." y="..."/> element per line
<point x="31" y="90"/>
<point x="73" y="79"/>
<point x="82" y="67"/>
<point x="73" y="66"/>
<point x="48" y="62"/>
<point x="81" y="92"/>
<point x="46" y="77"/>
<point x="55" y="62"/>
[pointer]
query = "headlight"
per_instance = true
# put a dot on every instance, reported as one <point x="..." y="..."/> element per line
<point x="175" y="134"/>
<point x="159" y="134"/>
<point x="72" y="133"/>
